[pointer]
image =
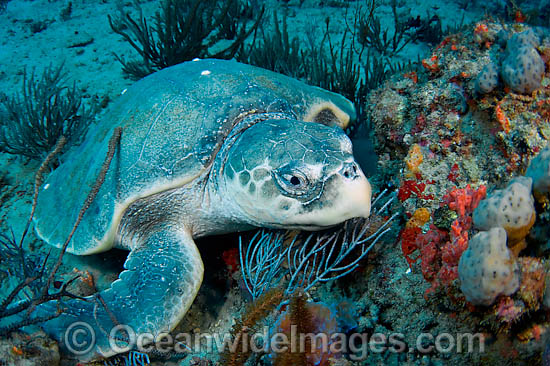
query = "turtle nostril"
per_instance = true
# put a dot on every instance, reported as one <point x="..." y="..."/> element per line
<point x="350" y="171"/>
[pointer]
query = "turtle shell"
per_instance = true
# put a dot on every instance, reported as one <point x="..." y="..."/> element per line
<point x="173" y="123"/>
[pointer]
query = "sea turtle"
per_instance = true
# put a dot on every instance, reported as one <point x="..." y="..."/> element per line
<point x="207" y="147"/>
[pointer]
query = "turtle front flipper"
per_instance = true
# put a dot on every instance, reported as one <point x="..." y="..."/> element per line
<point x="161" y="279"/>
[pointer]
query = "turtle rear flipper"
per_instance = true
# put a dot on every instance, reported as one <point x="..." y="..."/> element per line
<point x="161" y="279"/>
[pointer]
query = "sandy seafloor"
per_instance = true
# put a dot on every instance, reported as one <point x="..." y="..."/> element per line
<point x="389" y="294"/>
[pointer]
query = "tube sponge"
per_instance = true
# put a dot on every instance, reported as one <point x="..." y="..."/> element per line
<point x="527" y="38"/>
<point x="487" y="268"/>
<point x="539" y="171"/>
<point x="512" y="208"/>
<point x="523" y="69"/>
<point x="487" y="79"/>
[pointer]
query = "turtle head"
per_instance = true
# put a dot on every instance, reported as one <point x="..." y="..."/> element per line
<point x="295" y="174"/>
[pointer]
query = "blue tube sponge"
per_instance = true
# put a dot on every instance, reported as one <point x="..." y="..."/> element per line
<point x="523" y="69"/>
<point x="487" y="79"/>
<point x="527" y="38"/>
<point x="539" y="171"/>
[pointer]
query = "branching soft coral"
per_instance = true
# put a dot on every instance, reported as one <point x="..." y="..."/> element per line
<point x="44" y="111"/>
<point x="182" y="31"/>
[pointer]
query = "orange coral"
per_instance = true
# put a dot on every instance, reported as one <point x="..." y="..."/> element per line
<point x="431" y="64"/>
<point x="86" y="277"/>
<point x="482" y="36"/>
<point x="411" y="75"/>
<point x="533" y="333"/>
<point x="414" y="159"/>
<point x="17" y="351"/>
<point x="420" y="217"/>
<point x="481" y="28"/>
<point x="519" y="17"/>
<point x="502" y="119"/>
<point x="532" y="281"/>
<point x="507" y="310"/>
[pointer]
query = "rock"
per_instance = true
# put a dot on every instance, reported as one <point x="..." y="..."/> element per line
<point x="79" y="39"/>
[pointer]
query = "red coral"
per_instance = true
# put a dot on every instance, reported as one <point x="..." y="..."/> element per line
<point x="447" y="275"/>
<point x="440" y="251"/>
<point x="519" y="17"/>
<point x="231" y="259"/>
<point x="430" y="248"/>
<point x="411" y="186"/>
<point x="412" y="75"/>
<point x="431" y="64"/>
<point x="454" y="173"/>
<point x="408" y="243"/>
<point x="445" y="42"/>
<point x="452" y="251"/>
<point x="420" y="124"/>
<point x="464" y="200"/>
<point x="429" y="261"/>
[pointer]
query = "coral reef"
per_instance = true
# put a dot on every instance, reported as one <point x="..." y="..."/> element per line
<point x="475" y="134"/>
<point x="521" y="67"/>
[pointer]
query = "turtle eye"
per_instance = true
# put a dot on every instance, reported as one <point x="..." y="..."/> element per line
<point x="291" y="181"/>
<point x="295" y="180"/>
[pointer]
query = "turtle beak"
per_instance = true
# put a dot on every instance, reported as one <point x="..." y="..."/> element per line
<point x="355" y="192"/>
<point x="350" y="197"/>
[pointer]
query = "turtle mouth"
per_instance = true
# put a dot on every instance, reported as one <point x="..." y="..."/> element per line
<point x="315" y="227"/>
<point x="305" y="227"/>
